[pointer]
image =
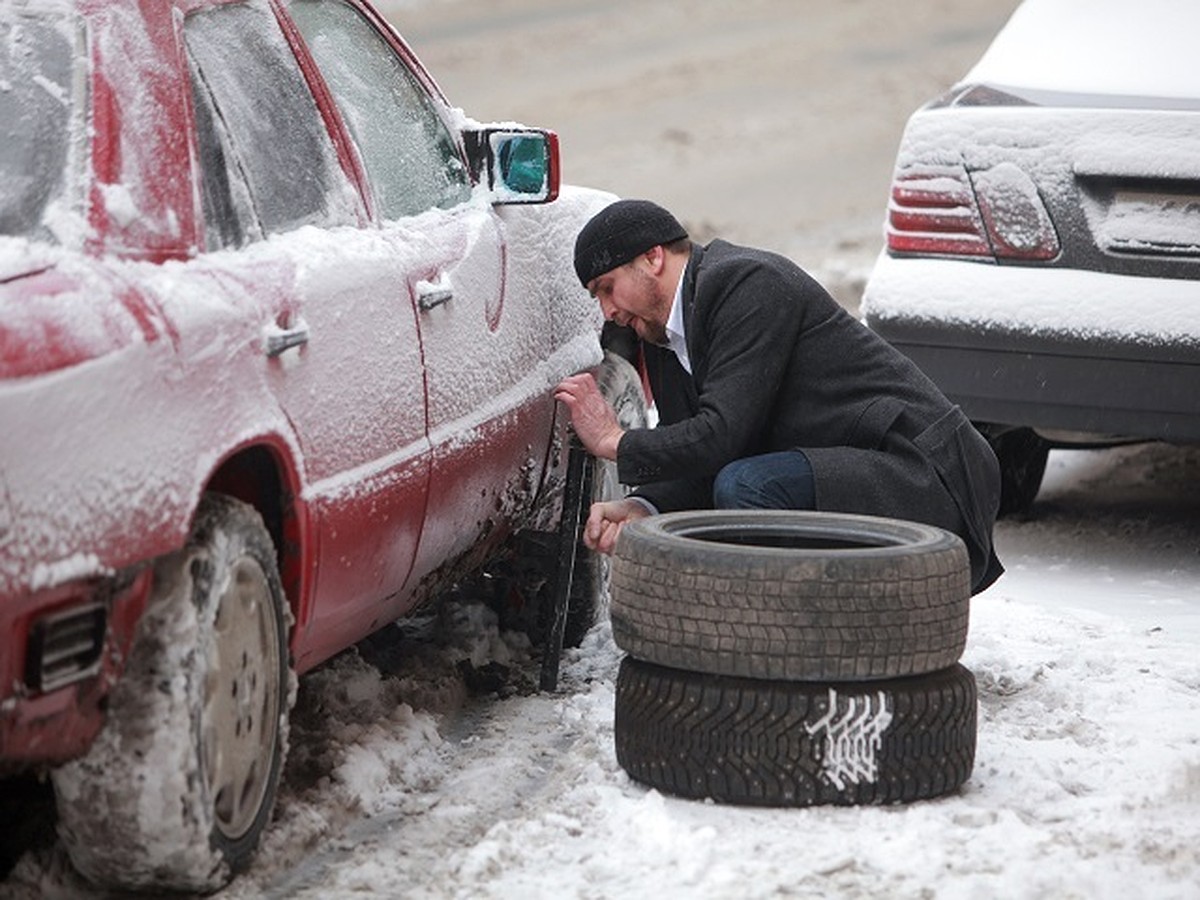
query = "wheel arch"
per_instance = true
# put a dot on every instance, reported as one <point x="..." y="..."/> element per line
<point x="264" y="474"/>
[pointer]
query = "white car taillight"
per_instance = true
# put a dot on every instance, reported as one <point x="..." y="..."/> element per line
<point x="995" y="213"/>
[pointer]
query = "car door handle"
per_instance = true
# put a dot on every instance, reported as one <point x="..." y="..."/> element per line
<point x="281" y="339"/>
<point x="431" y="294"/>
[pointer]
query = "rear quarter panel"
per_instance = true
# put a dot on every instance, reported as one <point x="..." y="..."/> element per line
<point x="104" y="459"/>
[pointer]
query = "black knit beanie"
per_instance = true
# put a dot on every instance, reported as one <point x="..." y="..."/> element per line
<point x="619" y="232"/>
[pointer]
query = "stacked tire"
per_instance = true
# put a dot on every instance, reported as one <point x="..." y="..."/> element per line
<point x="792" y="658"/>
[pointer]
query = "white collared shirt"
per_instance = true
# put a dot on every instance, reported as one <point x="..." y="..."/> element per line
<point x="676" y="339"/>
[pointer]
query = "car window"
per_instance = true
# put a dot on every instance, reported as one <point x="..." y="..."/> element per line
<point x="265" y="151"/>
<point x="411" y="160"/>
<point x="229" y="217"/>
<point x="36" y="107"/>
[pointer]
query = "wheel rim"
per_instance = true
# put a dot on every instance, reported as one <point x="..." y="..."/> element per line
<point x="241" y="704"/>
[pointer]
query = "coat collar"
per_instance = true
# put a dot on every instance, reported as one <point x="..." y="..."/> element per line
<point x="687" y="293"/>
<point x="687" y="298"/>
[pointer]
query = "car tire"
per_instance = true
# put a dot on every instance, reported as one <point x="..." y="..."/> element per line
<point x="785" y="595"/>
<point x="787" y="743"/>
<point x="180" y="784"/>
<point x="1022" y="455"/>
<point x="621" y="386"/>
<point x="523" y="592"/>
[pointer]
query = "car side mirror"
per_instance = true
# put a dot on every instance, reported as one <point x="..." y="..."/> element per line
<point x="516" y="165"/>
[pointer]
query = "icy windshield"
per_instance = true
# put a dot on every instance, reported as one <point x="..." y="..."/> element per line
<point x="410" y="157"/>
<point x="36" y="100"/>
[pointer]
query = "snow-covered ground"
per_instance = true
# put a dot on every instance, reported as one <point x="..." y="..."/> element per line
<point x="403" y="782"/>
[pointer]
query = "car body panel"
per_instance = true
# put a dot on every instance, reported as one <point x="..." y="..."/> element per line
<point x="1129" y="383"/>
<point x="139" y="122"/>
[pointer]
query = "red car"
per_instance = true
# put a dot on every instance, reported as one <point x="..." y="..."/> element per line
<point x="278" y="333"/>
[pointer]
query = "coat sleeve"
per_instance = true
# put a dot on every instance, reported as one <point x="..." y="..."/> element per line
<point x="742" y="338"/>
<point x="677" y="494"/>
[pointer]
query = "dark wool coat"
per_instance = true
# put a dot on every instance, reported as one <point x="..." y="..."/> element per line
<point x="777" y="364"/>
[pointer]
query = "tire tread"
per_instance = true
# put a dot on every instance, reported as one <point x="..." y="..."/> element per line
<point x="745" y="741"/>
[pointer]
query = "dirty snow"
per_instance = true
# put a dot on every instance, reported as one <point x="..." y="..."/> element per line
<point x="404" y="783"/>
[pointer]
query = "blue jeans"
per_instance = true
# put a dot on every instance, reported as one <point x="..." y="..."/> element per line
<point x="782" y="480"/>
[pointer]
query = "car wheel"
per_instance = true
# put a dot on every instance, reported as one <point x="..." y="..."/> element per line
<point x="178" y="787"/>
<point x="790" y="595"/>
<point x="621" y="386"/>
<point x="788" y="743"/>
<point x="523" y="589"/>
<point x="1022" y="454"/>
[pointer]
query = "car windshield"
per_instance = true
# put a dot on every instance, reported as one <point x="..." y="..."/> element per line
<point x="36" y="100"/>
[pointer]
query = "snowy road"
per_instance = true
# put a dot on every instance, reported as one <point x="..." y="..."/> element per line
<point x="1086" y="780"/>
<point x="404" y="783"/>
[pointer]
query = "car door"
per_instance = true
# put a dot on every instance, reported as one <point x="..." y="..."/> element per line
<point x="481" y="347"/>
<point x="340" y="342"/>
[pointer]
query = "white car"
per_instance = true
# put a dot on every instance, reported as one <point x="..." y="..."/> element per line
<point x="1043" y="234"/>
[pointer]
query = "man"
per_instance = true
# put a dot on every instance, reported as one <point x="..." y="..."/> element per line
<point x="769" y="394"/>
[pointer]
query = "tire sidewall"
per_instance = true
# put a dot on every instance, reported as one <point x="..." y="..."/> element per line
<point x="891" y="603"/>
<point x="872" y="542"/>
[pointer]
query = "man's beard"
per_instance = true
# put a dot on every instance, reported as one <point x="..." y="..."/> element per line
<point x="653" y="332"/>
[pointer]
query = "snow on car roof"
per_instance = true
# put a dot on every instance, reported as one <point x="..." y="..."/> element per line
<point x="1115" y="47"/>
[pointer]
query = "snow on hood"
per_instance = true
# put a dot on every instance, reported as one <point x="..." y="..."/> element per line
<point x="1114" y="47"/>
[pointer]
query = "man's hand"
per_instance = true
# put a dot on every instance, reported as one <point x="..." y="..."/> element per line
<point x="605" y="521"/>
<point x="592" y="418"/>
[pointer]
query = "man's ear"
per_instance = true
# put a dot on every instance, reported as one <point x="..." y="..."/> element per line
<point x="656" y="257"/>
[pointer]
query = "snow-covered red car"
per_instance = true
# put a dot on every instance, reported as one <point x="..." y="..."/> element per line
<point x="1043" y="235"/>
<point x="279" y="329"/>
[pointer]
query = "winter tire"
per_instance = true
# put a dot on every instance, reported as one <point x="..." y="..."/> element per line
<point x="799" y="596"/>
<point x="180" y="784"/>
<point x="779" y="743"/>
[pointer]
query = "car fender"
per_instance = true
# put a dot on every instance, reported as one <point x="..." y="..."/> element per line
<point x="541" y="243"/>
